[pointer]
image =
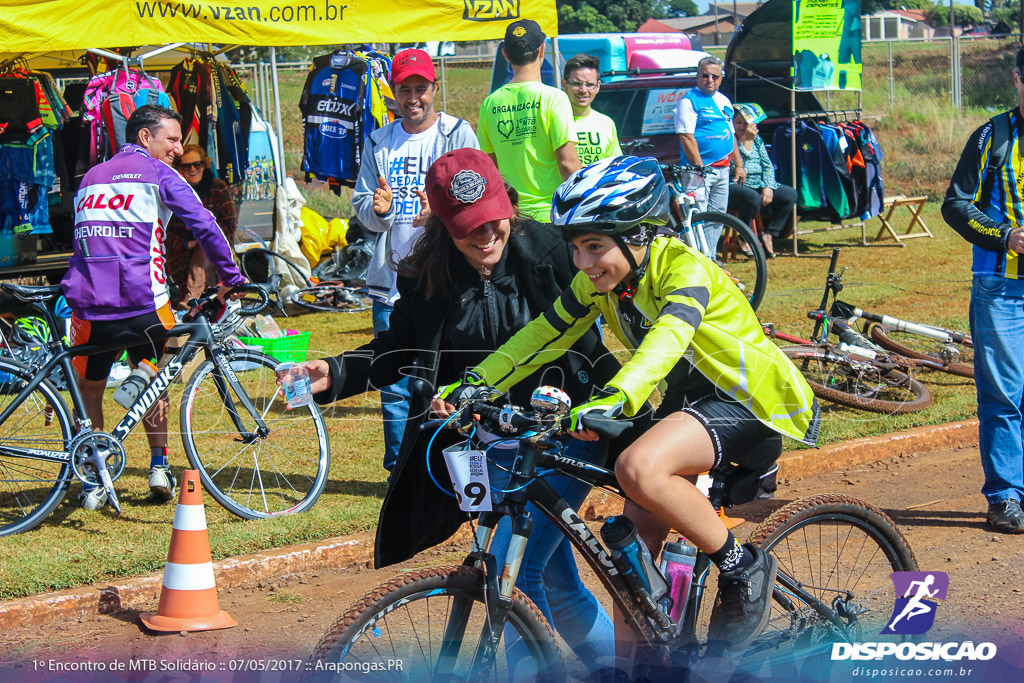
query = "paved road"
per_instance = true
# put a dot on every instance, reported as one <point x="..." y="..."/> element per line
<point x="933" y="498"/>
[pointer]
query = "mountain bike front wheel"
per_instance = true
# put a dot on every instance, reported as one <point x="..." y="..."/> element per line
<point x="956" y="357"/>
<point x="858" y="384"/>
<point x="30" y="486"/>
<point x="432" y="624"/>
<point x="251" y="474"/>
<point x="840" y="551"/>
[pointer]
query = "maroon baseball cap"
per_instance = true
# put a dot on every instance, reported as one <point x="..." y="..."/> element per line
<point x="465" y="190"/>
<point x="412" y="62"/>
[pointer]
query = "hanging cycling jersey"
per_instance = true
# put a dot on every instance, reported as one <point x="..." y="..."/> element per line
<point x="190" y="86"/>
<point x="234" y="121"/>
<point x="345" y="98"/>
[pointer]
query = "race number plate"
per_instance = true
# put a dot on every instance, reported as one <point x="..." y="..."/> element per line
<point x="468" y="470"/>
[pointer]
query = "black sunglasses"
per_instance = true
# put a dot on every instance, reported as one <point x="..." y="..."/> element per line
<point x="192" y="164"/>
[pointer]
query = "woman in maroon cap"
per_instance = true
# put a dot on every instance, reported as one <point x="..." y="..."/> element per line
<point x="479" y="272"/>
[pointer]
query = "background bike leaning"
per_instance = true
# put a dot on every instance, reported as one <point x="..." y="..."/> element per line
<point x="254" y="457"/>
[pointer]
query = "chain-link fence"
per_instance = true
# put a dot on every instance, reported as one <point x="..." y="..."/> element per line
<point x="962" y="72"/>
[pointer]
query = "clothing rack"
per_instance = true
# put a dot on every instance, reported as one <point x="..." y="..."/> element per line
<point x="833" y="116"/>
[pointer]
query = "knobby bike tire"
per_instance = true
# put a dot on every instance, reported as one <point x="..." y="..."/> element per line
<point x="915" y="346"/>
<point x="333" y="297"/>
<point x="831" y="544"/>
<point x="280" y="473"/>
<point x="858" y="384"/>
<point x="406" y="617"/>
<point x="756" y="282"/>
<point x="30" y="489"/>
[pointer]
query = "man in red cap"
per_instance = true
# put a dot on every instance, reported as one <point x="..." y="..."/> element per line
<point x="389" y="200"/>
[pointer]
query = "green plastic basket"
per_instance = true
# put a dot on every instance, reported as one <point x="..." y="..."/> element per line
<point x="289" y="349"/>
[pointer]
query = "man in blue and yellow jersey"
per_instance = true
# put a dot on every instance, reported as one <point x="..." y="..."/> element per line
<point x="984" y="204"/>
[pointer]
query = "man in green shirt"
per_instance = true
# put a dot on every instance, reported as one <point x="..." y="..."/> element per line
<point x="596" y="136"/>
<point x="527" y="126"/>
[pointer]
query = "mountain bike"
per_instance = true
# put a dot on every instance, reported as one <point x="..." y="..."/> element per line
<point x="312" y="293"/>
<point x="255" y="457"/>
<point x="468" y="622"/>
<point x="854" y="372"/>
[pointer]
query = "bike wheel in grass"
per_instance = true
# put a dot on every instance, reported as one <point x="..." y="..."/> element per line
<point x="433" y="621"/>
<point x="841" y="551"/>
<point x="957" y="357"/>
<point x="858" y="384"/>
<point x="333" y="297"/>
<point x="30" y="488"/>
<point x="253" y="475"/>
<point x="749" y="272"/>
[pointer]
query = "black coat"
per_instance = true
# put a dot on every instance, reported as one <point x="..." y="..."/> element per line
<point x="416" y="514"/>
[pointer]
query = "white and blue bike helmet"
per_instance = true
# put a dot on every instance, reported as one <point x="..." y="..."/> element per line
<point x="623" y="197"/>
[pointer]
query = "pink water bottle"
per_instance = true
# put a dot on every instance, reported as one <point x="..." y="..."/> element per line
<point x="677" y="560"/>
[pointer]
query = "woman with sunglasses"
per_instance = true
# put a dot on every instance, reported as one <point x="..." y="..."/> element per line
<point x="187" y="266"/>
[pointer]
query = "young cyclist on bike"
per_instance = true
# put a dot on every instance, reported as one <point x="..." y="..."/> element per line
<point x="728" y="393"/>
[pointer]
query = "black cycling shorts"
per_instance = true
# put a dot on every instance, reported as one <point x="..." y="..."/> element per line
<point x="144" y="336"/>
<point x="738" y="437"/>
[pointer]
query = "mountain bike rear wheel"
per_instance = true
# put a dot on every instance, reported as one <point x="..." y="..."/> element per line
<point x="434" y="623"/>
<point x="858" y="384"/>
<point x="254" y="476"/>
<point x="30" y="488"/>
<point x="749" y="272"/>
<point x="841" y="551"/>
<point x="957" y="358"/>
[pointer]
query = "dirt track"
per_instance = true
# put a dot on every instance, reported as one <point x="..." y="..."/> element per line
<point x="933" y="498"/>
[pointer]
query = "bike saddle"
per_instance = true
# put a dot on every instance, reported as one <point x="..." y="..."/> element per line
<point x="30" y="293"/>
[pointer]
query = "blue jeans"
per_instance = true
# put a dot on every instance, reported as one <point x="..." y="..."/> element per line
<point x="394" y="399"/>
<point x="548" y="574"/>
<point x="997" y="326"/>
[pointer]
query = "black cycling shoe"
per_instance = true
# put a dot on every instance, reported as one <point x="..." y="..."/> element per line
<point x="1006" y="516"/>
<point x="741" y="608"/>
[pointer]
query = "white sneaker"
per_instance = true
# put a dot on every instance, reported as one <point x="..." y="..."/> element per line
<point x="92" y="498"/>
<point x="161" y="484"/>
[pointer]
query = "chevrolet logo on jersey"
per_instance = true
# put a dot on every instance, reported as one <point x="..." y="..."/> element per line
<point x="490" y="10"/>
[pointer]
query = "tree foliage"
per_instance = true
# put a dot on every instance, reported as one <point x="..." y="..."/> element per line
<point x="963" y="15"/>
<point x="596" y="16"/>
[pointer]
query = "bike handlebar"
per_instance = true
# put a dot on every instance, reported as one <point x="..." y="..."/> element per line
<point x="511" y="419"/>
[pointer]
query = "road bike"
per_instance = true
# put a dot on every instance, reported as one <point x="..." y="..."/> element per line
<point x="750" y="272"/>
<point x="254" y="456"/>
<point x="854" y="371"/>
<point x="468" y="622"/>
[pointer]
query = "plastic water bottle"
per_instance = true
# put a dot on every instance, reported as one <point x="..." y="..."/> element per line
<point x="134" y="384"/>
<point x="677" y="560"/>
<point x="296" y="384"/>
<point x="620" y="535"/>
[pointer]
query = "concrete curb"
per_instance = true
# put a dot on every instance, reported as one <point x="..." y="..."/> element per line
<point x="357" y="549"/>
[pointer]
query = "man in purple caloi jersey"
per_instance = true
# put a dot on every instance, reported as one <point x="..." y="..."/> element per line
<point x="116" y="284"/>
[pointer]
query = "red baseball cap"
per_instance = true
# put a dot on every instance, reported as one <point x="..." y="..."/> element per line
<point x="412" y="62"/>
<point x="465" y="190"/>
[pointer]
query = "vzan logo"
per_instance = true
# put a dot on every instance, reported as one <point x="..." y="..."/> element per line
<point x="490" y="10"/>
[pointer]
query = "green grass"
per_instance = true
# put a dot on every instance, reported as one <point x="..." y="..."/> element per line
<point x="927" y="281"/>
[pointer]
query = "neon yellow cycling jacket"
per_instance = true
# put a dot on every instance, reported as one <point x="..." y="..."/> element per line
<point x="691" y="308"/>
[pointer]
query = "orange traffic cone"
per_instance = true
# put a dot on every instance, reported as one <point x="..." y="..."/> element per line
<point x="188" y="600"/>
<point x="730" y="522"/>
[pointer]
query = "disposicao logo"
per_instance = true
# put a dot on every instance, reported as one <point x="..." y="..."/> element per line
<point x="914" y="612"/>
<point x="917" y="594"/>
<point x="490" y="10"/>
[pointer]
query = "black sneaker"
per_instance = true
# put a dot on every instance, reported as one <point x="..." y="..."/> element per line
<point x="1006" y="516"/>
<point x="741" y="608"/>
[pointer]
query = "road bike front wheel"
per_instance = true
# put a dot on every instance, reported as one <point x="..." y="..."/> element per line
<point x="432" y="624"/>
<point x="858" y="384"/>
<point x="956" y="357"/>
<point x="30" y="487"/>
<point x="749" y="272"/>
<point x="254" y="475"/>
<point x="841" y="551"/>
